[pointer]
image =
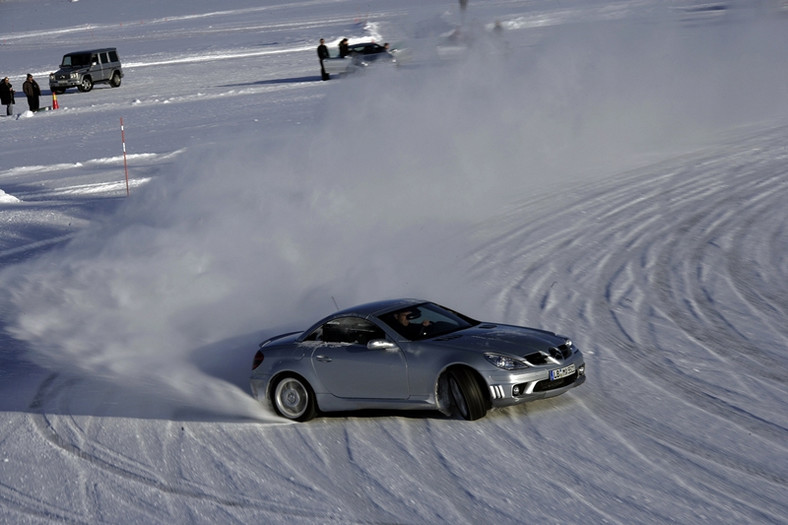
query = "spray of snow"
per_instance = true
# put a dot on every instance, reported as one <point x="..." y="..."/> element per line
<point x="256" y="234"/>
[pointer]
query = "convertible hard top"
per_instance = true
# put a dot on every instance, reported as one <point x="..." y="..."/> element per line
<point x="380" y="307"/>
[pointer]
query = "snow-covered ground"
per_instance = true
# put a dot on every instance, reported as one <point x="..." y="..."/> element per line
<point x="615" y="171"/>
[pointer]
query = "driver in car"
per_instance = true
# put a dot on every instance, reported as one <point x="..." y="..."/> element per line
<point x="408" y="329"/>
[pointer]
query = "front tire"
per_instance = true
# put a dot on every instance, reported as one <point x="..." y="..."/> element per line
<point x="86" y="84"/>
<point x="293" y="399"/>
<point x="467" y="398"/>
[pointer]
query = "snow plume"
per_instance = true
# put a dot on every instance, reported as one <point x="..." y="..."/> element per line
<point x="265" y="231"/>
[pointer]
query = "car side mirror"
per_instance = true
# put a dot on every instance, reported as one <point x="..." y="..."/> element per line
<point x="381" y="344"/>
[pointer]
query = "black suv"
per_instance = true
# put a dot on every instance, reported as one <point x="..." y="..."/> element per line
<point x="83" y="69"/>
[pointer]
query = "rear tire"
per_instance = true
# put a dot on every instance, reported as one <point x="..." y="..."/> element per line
<point x="467" y="398"/>
<point x="293" y="399"/>
<point x="115" y="80"/>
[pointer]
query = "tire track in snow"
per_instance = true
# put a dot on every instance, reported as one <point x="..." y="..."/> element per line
<point x="618" y="262"/>
<point x="64" y="433"/>
<point x="631" y="271"/>
<point x="640" y="263"/>
<point x="674" y="254"/>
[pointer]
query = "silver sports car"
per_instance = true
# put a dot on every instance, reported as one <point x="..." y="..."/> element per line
<point x="411" y="354"/>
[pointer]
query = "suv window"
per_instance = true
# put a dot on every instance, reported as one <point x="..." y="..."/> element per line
<point x="76" y="60"/>
<point x="113" y="56"/>
<point x="104" y="57"/>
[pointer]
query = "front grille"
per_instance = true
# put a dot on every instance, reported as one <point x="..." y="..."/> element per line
<point x="544" y="386"/>
<point x="558" y="353"/>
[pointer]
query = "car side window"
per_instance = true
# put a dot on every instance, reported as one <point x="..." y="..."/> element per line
<point x="104" y="57"/>
<point x="113" y="56"/>
<point x="349" y="330"/>
<point x="79" y="60"/>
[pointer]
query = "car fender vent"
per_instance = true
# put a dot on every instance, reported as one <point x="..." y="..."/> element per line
<point x="497" y="392"/>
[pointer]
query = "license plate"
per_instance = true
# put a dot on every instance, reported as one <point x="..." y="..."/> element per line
<point x="558" y="373"/>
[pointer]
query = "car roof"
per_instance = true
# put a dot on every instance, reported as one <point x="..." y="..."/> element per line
<point x="380" y="307"/>
<point x="99" y="50"/>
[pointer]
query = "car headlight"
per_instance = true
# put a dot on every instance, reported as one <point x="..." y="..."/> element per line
<point x="504" y="361"/>
<point x="74" y="75"/>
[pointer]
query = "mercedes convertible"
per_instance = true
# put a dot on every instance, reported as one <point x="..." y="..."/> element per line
<point x="410" y="354"/>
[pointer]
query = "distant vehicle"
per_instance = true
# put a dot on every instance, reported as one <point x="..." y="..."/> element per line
<point x="361" y="55"/>
<point x="409" y="354"/>
<point x="84" y="69"/>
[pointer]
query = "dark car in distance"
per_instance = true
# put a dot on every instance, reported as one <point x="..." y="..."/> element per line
<point x="360" y="55"/>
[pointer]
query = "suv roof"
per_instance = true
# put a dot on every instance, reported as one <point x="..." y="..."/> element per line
<point x="97" y="50"/>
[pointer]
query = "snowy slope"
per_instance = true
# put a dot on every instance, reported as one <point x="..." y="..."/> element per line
<point x="613" y="170"/>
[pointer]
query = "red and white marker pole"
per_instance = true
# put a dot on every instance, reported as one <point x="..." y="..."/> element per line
<point x="125" y="165"/>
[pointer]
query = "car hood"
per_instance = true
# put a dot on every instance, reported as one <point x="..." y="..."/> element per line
<point x="71" y="69"/>
<point x="508" y="339"/>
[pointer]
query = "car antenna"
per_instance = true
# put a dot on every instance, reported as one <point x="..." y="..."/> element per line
<point x="335" y="303"/>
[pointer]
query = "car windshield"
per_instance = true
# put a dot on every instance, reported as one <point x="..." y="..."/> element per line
<point x="81" y="59"/>
<point x="367" y="49"/>
<point x="426" y="320"/>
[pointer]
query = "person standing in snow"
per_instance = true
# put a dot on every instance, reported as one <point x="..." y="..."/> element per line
<point x="7" y="96"/>
<point x="31" y="89"/>
<point x="344" y="48"/>
<point x="322" y="54"/>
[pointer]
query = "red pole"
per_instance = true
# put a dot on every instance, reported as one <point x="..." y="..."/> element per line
<point x="125" y="165"/>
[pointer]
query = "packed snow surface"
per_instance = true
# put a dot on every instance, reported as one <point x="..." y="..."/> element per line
<point x="615" y="171"/>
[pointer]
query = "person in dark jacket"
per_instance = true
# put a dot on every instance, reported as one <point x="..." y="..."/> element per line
<point x="322" y="54"/>
<point x="31" y="89"/>
<point x="7" y="96"/>
<point x="344" y="48"/>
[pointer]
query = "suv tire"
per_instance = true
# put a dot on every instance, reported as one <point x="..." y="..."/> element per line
<point x="86" y="85"/>
<point x="115" y="80"/>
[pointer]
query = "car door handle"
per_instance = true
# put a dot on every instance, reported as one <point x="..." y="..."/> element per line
<point x="323" y="358"/>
